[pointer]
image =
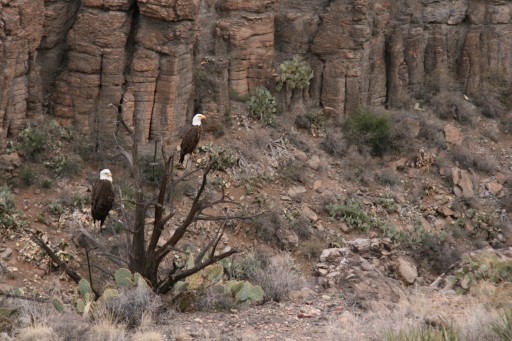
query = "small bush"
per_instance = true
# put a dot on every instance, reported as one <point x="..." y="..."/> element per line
<point x="27" y="176"/>
<point x="267" y="224"/>
<point x="56" y="207"/>
<point x="9" y="216"/>
<point x="65" y="165"/>
<point x="503" y="328"/>
<point x="425" y="333"/>
<point x="453" y="106"/>
<point x="369" y="128"/>
<point x="335" y="144"/>
<point x="292" y="171"/>
<point x="389" y="177"/>
<point x="262" y="106"/>
<point x="214" y="298"/>
<point x="244" y="268"/>
<point x="351" y="212"/>
<point x="312" y="248"/>
<point x="37" y="333"/>
<point x="106" y="331"/>
<point x="225" y="158"/>
<point x="46" y="183"/>
<point x="277" y="277"/>
<point x="302" y="227"/>
<point x="465" y="158"/>
<point x="132" y="304"/>
<point x="32" y="142"/>
<point x="294" y="73"/>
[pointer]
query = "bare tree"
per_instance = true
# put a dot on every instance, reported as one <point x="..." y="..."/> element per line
<point x="147" y="256"/>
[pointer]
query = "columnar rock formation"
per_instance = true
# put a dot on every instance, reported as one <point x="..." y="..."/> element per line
<point x="72" y="58"/>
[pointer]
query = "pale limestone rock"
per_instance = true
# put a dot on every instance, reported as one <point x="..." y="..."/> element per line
<point x="463" y="185"/>
<point x="453" y="134"/>
<point x="406" y="270"/>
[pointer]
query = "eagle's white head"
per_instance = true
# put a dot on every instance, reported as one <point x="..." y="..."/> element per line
<point x="196" y="121"/>
<point x="106" y="175"/>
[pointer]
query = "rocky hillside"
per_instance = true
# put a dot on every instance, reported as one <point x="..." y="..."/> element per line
<point x="72" y="58"/>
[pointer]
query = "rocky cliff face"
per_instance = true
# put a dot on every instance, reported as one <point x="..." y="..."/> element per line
<point x="72" y="58"/>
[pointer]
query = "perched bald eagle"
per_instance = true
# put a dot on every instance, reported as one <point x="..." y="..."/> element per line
<point x="192" y="137"/>
<point x="102" y="197"/>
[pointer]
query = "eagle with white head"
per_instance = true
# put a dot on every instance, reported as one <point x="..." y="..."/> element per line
<point x="102" y="198"/>
<point x="192" y="137"/>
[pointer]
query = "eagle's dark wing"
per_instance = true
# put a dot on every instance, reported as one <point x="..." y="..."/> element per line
<point x="102" y="199"/>
<point x="190" y="141"/>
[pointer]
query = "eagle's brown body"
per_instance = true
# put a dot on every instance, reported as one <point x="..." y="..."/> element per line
<point x="102" y="199"/>
<point x="190" y="141"/>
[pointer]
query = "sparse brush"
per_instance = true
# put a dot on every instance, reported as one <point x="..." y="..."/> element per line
<point x="335" y="144"/>
<point x="131" y="304"/>
<point x="266" y="225"/>
<point x="312" y="248"/>
<point x="215" y="298"/>
<point x="503" y="327"/>
<point x="467" y="159"/>
<point x="424" y="334"/>
<point x="46" y="183"/>
<point x="147" y="336"/>
<point x="9" y="216"/>
<point x="277" y="277"/>
<point x="302" y="227"/>
<point x="65" y="165"/>
<point x="452" y="105"/>
<point x="389" y="177"/>
<point x="106" y="331"/>
<point x="37" y="333"/>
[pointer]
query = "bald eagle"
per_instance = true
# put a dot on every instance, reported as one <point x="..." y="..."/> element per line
<point x="102" y="197"/>
<point x="192" y="137"/>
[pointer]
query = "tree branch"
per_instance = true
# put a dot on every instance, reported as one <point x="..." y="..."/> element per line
<point x="168" y="283"/>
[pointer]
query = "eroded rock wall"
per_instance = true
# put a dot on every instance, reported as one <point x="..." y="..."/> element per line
<point x="72" y="58"/>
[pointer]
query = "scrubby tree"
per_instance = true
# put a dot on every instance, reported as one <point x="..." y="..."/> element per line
<point x="147" y="256"/>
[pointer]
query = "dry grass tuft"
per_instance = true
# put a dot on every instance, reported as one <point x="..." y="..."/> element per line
<point x="106" y="330"/>
<point x="463" y="316"/>
<point x="37" y="333"/>
<point x="147" y="336"/>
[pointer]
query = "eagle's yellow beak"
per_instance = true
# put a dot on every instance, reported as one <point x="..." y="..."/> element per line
<point x="203" y="117"/>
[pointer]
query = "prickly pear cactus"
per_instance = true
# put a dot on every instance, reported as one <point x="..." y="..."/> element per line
<point x="249" y="293"/>
<point x="139" y="281"/>
<point x="109" y="293"/>
<point x="214" y="273"/>
<point x="123" y="278"/>
<point x="57" y="304"/>
<point x="85" y="287"/>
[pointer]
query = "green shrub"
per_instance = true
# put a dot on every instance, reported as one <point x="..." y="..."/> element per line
<point x="31" y="142"/>
<point x="425" y="333"/>
<point x="369" y="128"/>
<point x="262" y="105"/>
<point x="9" y="216"/>
<point x="27" y="176"/>
<point x="65" y="165"/>
<point x="56" y="207"/>
<point x="483" y="266"/>
<point x="351" y="212"/>
<point x="294" y="73"/>
<point x="503" y="328"/>
<point x="224" y="156"/>
<point x="46" y="183"/>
